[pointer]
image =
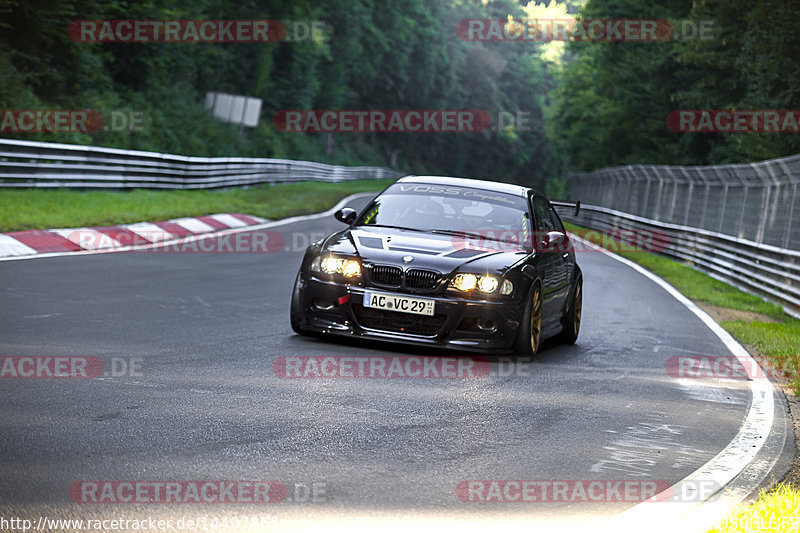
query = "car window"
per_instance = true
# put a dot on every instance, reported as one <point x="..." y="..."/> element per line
<point x="556" y="220"/>
<point x="541" y="211"/>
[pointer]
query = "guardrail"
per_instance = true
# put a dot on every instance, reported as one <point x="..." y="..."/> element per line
<point x="762" y="269"/>
<point x="27" y="164"/>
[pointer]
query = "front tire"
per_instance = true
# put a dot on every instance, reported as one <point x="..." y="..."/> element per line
<point x="296" y="309"/>
<point x="572" y="319"/>
<point x="529" y="334"/>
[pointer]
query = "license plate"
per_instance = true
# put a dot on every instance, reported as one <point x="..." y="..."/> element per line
<point x="403" y="304"/>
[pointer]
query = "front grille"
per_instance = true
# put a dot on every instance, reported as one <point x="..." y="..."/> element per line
<point x="399" y="322"/>
<point x="422" y="279"/>
<point x="387" y="275"/>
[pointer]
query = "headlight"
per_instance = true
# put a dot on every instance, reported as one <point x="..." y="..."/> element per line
<point x="332" y="265"/>
<point x="488" y="284"/>
<point x="349" y="268"/>
<point x="465" y="282"/>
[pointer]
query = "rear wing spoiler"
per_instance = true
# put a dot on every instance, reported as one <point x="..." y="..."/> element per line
<point x="576" y="205"/>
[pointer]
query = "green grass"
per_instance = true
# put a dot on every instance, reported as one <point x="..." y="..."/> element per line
<point x="774" y="335"/>
<point x="62" y="208"/>
<point x="780" y="342"/>
<point x="777" y="510"/>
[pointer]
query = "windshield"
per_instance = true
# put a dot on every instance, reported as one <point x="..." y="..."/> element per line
<point x="456" y="209"/>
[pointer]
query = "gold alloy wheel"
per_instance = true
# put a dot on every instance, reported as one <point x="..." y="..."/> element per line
<point x="536" y="319"/>
<point x="576" y="322"/>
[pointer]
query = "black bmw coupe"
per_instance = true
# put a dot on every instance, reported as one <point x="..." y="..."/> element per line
<point x="459" y="263"/>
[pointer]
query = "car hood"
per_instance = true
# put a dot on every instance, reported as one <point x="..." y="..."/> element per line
<point x="444" y="253"/>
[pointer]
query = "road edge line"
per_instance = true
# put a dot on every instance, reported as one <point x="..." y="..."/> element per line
<point x="728" y="463"/>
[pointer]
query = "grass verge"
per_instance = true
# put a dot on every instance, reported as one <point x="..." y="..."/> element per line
<point x="776" y="510"/>
<point x="767" y="332"/>
<point x="64" y="208"/>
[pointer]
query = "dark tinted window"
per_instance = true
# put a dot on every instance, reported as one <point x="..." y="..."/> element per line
<point x="541" y="211"/>
<point x="556" y="220"/>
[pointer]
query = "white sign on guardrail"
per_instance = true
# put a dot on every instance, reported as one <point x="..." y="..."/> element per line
<point x="243" y="110"/>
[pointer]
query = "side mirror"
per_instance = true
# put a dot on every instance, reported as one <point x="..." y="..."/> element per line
<point x="554" y="241"/>
<point x="555" y="237"/>
<point x="346" y="214"/>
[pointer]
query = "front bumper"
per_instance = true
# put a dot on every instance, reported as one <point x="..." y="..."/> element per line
<point x="473" y="325"/>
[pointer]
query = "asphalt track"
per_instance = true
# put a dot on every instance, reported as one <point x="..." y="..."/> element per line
<point x="204" y="403"/>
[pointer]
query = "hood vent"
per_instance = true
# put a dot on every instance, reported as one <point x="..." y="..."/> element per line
<point x="466" y="253"/>
<point x="371" y="242"/>
<point x="413" y="250"/>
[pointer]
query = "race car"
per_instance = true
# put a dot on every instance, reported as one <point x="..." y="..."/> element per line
<point x="440" y="261"/>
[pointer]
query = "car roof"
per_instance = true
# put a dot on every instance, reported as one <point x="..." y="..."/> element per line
<point x="508" y="188"/>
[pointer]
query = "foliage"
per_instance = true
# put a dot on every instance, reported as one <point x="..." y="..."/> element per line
<point x="613" y="98"/>
<point x="376" y="55"/>
<point x="590" y="104"/>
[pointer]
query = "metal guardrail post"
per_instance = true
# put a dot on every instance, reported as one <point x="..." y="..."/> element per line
<point x="764" y="202"/>
<point x="723" y="207"/>
<point x="741" y="211"/>
<point x="657" y="214"/>
<point x="788" y="229"/>
<point x="688" y="198"/>
<point x="705" y="205"/>
<point x="645" y="203"/>
<point x="630" y="189"/>
<point x="673" y="203"/>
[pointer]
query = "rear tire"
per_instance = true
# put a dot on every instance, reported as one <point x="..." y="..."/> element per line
<point x="572" y="319"/>
<point x="529" y="334"/>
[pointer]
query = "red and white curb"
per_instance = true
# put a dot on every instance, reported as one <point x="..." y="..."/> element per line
<point x="98" y="238"/>
<point x="157" y="236"/>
